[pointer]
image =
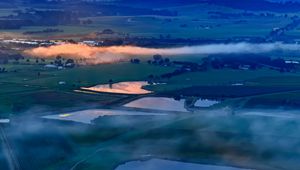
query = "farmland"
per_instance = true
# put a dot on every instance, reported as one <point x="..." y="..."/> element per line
<point x="245" y="62"/>
<point x="22" y="88"/>
<point x="192" y="22"/>
<point x="28" y="85"/>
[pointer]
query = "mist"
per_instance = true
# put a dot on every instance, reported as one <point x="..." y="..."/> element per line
<point x="99" y="55"/>
<point x="249" y="137"/>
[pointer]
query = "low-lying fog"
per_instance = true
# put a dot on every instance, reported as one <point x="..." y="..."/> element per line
<point x="159" y="164"/>
<point x="98" y="55"/>
<point x="268" y="137"/>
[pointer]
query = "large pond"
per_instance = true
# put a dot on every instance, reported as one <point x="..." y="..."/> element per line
<point x="87" y="116"/>
<point x="134" y="87"/>
<point x="160" y="164"/>
<point x="158" y="103"/>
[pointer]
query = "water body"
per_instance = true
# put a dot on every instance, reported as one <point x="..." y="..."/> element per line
<point x="158" y="103"/>
<point x="134" y="87"/>
<point x="160" y="164"/>
<point x="87" y="116"/>
<point x="4" y="121"/>
<point x="205" y="103"/>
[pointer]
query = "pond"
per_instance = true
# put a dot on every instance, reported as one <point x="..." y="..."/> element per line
<point x="160" y="164"/>
<point x="134" y="87"/>
<point x="158" y="103"/>
<point x="87" y="116"/>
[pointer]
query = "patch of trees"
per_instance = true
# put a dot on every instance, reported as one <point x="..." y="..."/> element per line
<point x="185" y="67"/>
<point x="62" y="62"/>
<point x="133" y="11"/>
<point x="159" y="60"/>
<point x="258" y="5"/>
<point x="249" y="61"/>
<point x="135" y="61"/>
<point x="111" y="42"/>
<point x="3" y="70"/>
<point x="48" y="30"/>
<point x="152" y="79"/>
<point x="222" y="92"/>
<point x="281" y="31"/>
<point x="107" y="31"/>
<point x="177" y="72"/>
<point x="168" y="41"/>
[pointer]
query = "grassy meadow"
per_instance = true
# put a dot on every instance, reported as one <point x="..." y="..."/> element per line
<point x="25" y="86"/>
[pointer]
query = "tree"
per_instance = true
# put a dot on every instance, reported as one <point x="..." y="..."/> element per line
<point x="161" y="62"/>
<point x="167" y="60"/>
<point x="135" y="61"/>
<point x="216" y="64"/>
<point x="58" y="57"/>
<point x="70" y="63"/>
<point x="58" y="62"/>
<point x="2" y="70"/>
<point x="157" y="57"/>
<point x="110" y="82"/>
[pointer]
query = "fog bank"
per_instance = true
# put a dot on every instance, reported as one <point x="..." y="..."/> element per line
<point x="98" y="55"/>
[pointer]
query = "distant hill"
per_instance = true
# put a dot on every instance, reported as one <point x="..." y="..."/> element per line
<point x="258" y="5"/>
<point x="253" y="5"/>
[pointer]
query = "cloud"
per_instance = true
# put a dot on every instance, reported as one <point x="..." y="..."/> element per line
<point x="98" y="55"/>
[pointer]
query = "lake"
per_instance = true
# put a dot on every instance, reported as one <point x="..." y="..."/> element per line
<point x="158" y="103"/>
<point x="87" y="116"/>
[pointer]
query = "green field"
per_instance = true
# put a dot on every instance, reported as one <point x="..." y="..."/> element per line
<point x="22" y="88"/>
<point x="198" y="23"/>
<point x="221" y="134"/>
<point x="227" y="77"/>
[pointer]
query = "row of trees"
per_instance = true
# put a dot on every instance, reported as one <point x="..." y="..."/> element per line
<point x="157" y="60"/>
<point x="251" y="61"/>
<point x="62" y="62"/>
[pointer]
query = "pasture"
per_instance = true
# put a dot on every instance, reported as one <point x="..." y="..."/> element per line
<point x="192" y="22"/>
<point x="25" y="86"/>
